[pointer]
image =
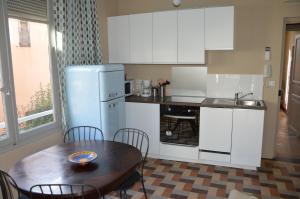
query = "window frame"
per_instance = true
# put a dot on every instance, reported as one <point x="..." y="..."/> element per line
<point x="16" y="137"/>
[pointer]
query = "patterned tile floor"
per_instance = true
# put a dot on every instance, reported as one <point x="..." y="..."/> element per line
<point x="181" y="180"/>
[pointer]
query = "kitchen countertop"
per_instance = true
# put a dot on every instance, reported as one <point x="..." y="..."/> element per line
<point x="208" y="102"/>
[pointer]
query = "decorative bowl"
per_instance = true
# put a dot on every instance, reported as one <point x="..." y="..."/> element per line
<point x="82" y="157"/>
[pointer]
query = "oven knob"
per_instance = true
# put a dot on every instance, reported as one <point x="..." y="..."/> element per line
<point x="189" y="110"/>
<point x="169" y="109"/>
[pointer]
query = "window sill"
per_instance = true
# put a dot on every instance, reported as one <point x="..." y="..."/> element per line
<point x="32" y="138"/>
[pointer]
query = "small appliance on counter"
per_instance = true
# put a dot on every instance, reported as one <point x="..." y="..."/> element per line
<point x="146" y="88"/>
<point x="129" y="89"/>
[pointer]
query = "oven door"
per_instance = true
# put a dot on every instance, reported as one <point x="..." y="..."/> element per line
<point x="179" y="125"/>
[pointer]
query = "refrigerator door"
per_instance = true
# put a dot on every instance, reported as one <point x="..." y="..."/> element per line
<point x="83" y="107"/>
<point x="111" y="85"/>
<point x="112" y="117"/>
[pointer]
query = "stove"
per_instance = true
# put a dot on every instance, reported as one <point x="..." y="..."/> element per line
<point x="187" y="99"/>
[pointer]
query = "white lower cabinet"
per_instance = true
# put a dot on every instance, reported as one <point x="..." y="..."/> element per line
<point x="145" y="117"/>
<point x="247" y="137"/>
<point x="232" y="136"/>
<point x="217" y="157"/>
<point x="178" y="152"/>
<point x="215" y="129"/>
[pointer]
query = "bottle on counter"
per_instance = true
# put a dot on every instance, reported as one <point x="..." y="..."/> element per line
<point x="155" y="91"/>
<point x="162" y="87"/>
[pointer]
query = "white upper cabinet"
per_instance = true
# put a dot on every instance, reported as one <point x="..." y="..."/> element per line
<point x="141" y="38"/>
<point x="118" y="39"/>
<point x="170" y="37"/>
<point x="219" y="28"/>
<point x="191" y="36"/>
<point x="165" y="37"/>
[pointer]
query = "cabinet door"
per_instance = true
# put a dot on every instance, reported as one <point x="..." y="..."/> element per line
<point x="141" y="38"/>
<point x="165" y="37"/>
<point x="219" y="28"/>
<point x="191" y="36"/>
<point x="112" y="109"/>
<point x="247" y="137"/>
<point x="215" y="129"/>
<point x="146" y="118"/>
<point x="118" y="39"/>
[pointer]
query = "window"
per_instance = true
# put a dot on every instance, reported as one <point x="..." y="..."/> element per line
<point x="31" y="74"/>
<point x="3" y="134"/>
<point x="27" y="106"/>
<point x="24" y="34"/>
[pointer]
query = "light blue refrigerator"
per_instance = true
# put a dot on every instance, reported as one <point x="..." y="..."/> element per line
<point x="95" y="97"/>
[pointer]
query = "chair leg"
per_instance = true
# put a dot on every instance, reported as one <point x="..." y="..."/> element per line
<point x="121" y="194"/>
<point x="142" y="181"/>
<point x="125" y="193"/>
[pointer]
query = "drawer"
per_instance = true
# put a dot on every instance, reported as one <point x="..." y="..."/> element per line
<point x="178" y="151"/>
<point x="218" y="157"/>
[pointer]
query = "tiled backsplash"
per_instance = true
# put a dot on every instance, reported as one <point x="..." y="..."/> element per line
<point x="188" y="81"/>
<point x="225" y="85"/>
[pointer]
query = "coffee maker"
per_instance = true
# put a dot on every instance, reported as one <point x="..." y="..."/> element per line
<point x="146" y="88"/>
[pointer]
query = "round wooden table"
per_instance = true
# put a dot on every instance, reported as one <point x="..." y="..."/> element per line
<point x="115" y="162"/>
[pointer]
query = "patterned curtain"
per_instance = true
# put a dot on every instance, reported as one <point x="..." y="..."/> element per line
<point x="77" y="39"/>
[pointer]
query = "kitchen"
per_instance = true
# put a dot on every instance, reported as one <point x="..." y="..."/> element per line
<point x="184" y="37"/>
<point x="256" y="26"/>
<point x="247" y="58"/>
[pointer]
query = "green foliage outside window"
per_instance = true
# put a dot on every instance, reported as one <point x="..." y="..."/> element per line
<point x="41" y="101"/>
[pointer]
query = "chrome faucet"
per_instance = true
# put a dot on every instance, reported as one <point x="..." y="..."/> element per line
<point x="237" y="97"/>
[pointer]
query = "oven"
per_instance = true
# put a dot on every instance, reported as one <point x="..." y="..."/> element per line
<point x="179" y="124"/>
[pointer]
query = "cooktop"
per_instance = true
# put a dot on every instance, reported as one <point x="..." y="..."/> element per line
<point x="187" y="99"/>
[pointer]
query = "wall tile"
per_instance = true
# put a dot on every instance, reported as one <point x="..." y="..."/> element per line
<point x="226" y="85"/>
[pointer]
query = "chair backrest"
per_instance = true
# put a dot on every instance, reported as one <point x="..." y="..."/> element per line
<point x="6" y="186"/>
<point x="134" y="137"/>
<point x="82" y="133"/>
<point x="64" y="191"/>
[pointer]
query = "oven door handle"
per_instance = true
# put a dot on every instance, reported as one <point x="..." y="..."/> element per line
<point x="180" y="117"/>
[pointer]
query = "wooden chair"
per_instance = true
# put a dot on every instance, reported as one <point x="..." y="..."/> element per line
<point x="6" y="186"/>
<point x="140" y="140"/>
<point x="74" y="191"/>
<point x="81" y="133"/>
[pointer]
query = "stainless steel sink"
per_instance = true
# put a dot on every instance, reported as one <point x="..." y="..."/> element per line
<point x="249" y="103"/>
<point x="231" y="102"/>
